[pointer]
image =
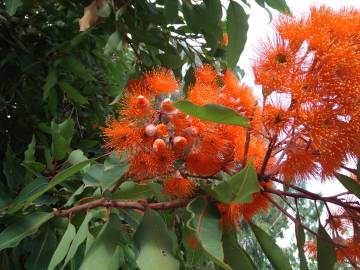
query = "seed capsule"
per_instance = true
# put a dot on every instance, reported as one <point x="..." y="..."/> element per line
<point x="158" y="145"/>
<point x="150" y="130"/>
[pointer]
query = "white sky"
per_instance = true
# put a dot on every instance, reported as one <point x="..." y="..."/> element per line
<point x="260" y="27"/>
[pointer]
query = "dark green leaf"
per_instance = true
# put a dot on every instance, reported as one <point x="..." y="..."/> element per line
<point x="12" y="169"/>
<point x="279" y="5"/>
<point x="170" y="60"/>
<point x="12" y="5"/>
<point x="237" y="27"/>
<point x="104" y="246"/>
<point x="239" y="188"/>
<point x="205" y="225"/>
<point x="22" y="227"/>
<point x="235" y="256"/>
<point x="275" y="255"/>
<point x="73" y="93"/>
<point x="79" y="238"/>
<point x="300" y="241"/>
<point x="350" y="184"/>
<point x="153" y="241"/>
<point x="213" y="113"/>
<point x="189" y="15"/>
<point x="171" y="10"/>
<point x="214" y="9"/>
<point x="63" y="247"/>
<point x="130" y="190"/>
<point x="50" y="82"/>
<point x="74" y="66"/>
<point x="42" y="248"/>
<point x="326" y="255"/>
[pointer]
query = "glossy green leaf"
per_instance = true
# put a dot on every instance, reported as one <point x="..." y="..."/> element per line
<point x="154" y="244"/>
<point x="213" y="113"/>
<point x="113" y="42"/>
<point x="235" y="256"/>
<point x="350" y="184"/>
<point x="12" y="5"/>
<point x="22" y="227"/>
<point x="50" y="82"/>
<point x="279" y="5"/>
<point x="104" y="246"/>
<point x="38" y="188"/>
<point x="300" y="241"/>
<point x="189" y="15"/>
<point x="326" y="255"/>
<point x="97" y="175"/>
<point x="130" y="190"/>
<point x="237" y="27"/>
<point x="73" y="93"/>
<point x="238" y="188"/>
<point x="171" y="8"/>
<point x="63" y="247"/>
<point x="79" y="238"/>
<point x="204" y="222"/>
<point x="214" y="9"/>
<point x="276" y="256"/>
<point x="170" y="60"/>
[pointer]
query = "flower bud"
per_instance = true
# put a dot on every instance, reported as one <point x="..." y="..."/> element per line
<point x="166" y="106"/>
<point x="162" y="130"/>
<point x="141" y="100"/>
<point x="180" y="143"/>
<point x="150" y="130"/>
<point x="158" y="145"/>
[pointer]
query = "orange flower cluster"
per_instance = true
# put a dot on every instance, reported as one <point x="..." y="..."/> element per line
<point x="160" y="141"/>
<point x="310" y="76"/>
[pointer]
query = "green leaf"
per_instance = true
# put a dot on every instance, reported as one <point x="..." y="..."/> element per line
<point x="63" y="247"/>
<point x="189" y="80"/>
<point x="189" y="15"/>
<point x="213" y="113"/>
<point x="98" y="175"/>
<point x="154" y="244"/>
<point x="74" y="66"/>
<point x="73" y="93"/>
<point x="237" y="27"/>
<point x="326" y="255"/>
<point x="22" y="227"/>
<point x="104" y="11"/>
<point x="41" y="249"/>
<point x="205" y="224"/>
<point x="350" y="184"/>
<point x="238" y="188"/>
<point x="171" y="8"/>
<point x="50" y="82"/>
<point x="235" y="256"/>
<point x="113" y="42"/>
<point x="35" y="190"/>
<point x="300" y="241"/>
<point x="12" y="169"/>
<point x="27" y="192"/>
<point x="79" y="238"/>
<point x="275" y="255"/>
<point x="214" y="9"/>
<point x="170" y="60"/>
<point x="279" y="5"/>
<point x="130" y="190"/>
<point x="12" y="5"/>
<point x="76" y="157"/>
<point x="104" y="246"/>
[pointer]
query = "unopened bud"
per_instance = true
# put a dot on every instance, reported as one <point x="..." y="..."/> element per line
<point x="141" y="100"/>
<point x="150" y="130"/>
<point x="180" y="142"/>
<point x="192" y="131"/>
<point x="158" y="145"/>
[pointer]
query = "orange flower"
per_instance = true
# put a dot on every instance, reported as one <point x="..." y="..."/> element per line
<point x="205" y="74"/>
<point x="161" y="81"/>
<point x="179" y="187"/>
<point x="310" y="249"/>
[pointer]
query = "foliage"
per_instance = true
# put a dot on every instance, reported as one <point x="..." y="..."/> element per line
<point x="156" y="196"/>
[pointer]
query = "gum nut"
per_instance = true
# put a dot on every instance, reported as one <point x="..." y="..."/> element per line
<point x="150" y="130"/>
<point x="158" y="144"/>
<point x="180" y="142"/>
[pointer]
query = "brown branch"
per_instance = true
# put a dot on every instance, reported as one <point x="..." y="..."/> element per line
<point x="246" y="148"/>
<point x="266" y="158"/>
<point x="139" y="205"/>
